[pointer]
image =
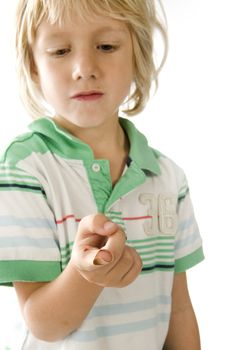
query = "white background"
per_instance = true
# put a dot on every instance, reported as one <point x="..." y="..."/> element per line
<point x="190" y="121"/>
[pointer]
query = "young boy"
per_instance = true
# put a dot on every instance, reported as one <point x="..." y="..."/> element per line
<point x="96" y="228"/>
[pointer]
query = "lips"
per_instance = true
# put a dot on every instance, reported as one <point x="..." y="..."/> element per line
<point x="88" y="95"/>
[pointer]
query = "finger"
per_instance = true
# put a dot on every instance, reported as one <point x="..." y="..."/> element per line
<point x="115" y="244"/>
<point x="128" y="268"/>
<point x="88" y="258"/>
<point x="85" y="256"/>
<point x="91" y="255"/>
<point x="96" y="224"/>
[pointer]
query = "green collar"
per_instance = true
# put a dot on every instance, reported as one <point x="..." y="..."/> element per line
<point x="66" y="144"/>
<point x="143" y="155"/>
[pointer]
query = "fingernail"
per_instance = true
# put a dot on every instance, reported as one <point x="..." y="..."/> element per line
<point x="103" y="257"/>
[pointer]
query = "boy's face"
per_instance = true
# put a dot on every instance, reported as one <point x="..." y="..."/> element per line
<point x="85" y="69"/>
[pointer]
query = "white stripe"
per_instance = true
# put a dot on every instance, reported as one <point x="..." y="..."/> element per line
<point x="30" y="253"/>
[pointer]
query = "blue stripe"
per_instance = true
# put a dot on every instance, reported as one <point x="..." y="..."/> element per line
<point x="108" y="331"/>
<point x="186" y="224"/>
<point x="27" y="222"/>
<point x="187" y="241"/>
<point x="12" y="242"/>
<point x="116" y="309"/>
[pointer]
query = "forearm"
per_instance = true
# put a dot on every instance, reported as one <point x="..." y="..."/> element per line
<point x="183" y="331"/>
<point x="59" y="307"/>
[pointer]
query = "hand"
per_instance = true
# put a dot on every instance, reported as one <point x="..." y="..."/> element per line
<point x="100" y="253"/>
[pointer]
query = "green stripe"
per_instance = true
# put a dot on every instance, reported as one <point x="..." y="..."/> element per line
<point x="28" y="270"/>
<point x="155" y="260"/>
<point x="18" y="176"/>
<point x="64" y="263"/>
<point x="67" y="246"/>
<point x="155" y="257"/>
<point x="114" y="218"/>
<point x="152" y="245"/>
<point x="188" y="261"/>
<point x="154" y="238"/>
<point x="157" y="251"/>
<point x="66" y="253"/>
<point x="184" y="187"/>
<point x="117" y="213"/>
<point x="10" y="167"/>
<point x="183" y="195"/>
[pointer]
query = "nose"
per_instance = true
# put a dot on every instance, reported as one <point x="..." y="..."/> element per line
<point x="85" y="66"/>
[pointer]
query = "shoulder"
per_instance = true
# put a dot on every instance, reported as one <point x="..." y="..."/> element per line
<point x="150" y="159"/>
<point x="18" y="167"/>
<point x="21" y="147"/>
<point x="170" y="170"/>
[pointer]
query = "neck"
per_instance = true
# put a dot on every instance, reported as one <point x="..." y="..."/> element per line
<point x="105" y="140"/>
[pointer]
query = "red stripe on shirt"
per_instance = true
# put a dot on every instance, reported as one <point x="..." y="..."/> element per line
<point x="125" y="219"/>
<point x="137" y="218"/>
<point x="66" y="218"/>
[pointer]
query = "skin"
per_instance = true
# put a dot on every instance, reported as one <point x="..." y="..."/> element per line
<point x="82" y="57"/>
<point x="68" y="60"/>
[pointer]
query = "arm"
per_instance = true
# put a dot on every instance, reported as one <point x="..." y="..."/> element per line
<point x="52" y="310"/>
<point x="183" y="331"/>
<point x="55" y="309"/>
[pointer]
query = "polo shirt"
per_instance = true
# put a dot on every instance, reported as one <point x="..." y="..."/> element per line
<point x="50" y="180"/>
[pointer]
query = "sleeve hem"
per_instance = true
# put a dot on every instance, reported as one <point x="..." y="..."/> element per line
<point x="189" y="261"/>
<point x="28" y="271"/>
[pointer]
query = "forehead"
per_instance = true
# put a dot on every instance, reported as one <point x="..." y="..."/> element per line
<point x="79" y="25"/>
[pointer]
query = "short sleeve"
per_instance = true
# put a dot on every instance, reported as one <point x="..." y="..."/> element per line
<point x="29" y="250"/>
<point x="188" y="244"/>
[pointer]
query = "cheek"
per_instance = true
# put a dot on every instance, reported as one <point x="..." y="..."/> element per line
<point x="50" y="80"/>
<point x="49" y="72"/>
<point x="127" y="68"/>
<point x="126" y="77"/>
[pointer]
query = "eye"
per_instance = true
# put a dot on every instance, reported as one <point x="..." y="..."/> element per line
<point x="60" y="52"/>
<point x="106" y="47"/>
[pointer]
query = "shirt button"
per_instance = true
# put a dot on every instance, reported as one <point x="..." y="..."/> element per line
<point x="96" y="167"/>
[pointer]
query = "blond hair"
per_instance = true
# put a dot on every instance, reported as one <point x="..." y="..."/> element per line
<point x="142" y="18"/>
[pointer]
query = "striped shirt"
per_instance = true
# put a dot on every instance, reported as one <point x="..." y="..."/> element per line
<point x="50" y="180"/>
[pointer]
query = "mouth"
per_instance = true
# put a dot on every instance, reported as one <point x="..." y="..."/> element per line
<point x="88" y="96"/>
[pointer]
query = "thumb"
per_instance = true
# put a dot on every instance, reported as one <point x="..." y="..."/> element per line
<point x="89" y="258"/>
<point x="103" y="257"/>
